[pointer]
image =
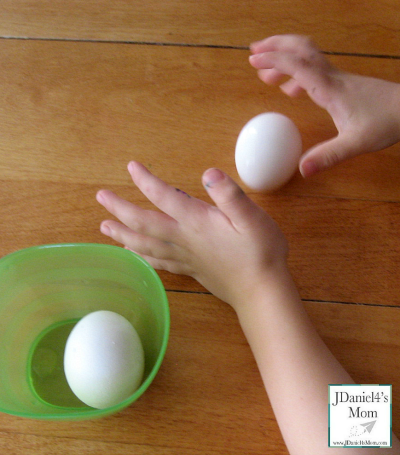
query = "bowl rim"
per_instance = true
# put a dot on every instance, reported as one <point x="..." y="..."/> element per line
<point x="92" y="413"/>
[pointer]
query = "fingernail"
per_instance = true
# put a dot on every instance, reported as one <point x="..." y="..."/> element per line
<point x="212" y="177"/>
<point x="131" y="165"/>
<point x="308" y="169"/>
<point x="253" y="45"/>
<point x="104" y="229"/>
<point x="100" y="197"/>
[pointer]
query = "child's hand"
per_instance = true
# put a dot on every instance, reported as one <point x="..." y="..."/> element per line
<point x="365" y="110"/>
<point x="230" y="248"/>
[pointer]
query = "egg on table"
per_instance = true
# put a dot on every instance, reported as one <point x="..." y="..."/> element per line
<point x="103" y="359"/>
<point x="267" y="151"/>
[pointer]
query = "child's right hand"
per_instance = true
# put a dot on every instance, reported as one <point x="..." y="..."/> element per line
<point x="233" y="248"/>
<point x="365" y="110"/>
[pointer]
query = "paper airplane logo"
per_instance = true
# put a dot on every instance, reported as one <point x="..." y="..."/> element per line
<point x="360" y="415"/>
<point x="362" y="428"/>
<point x="368" y="426"/>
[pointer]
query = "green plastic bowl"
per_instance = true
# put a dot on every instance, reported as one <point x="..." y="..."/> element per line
<point x="44" y="291"/>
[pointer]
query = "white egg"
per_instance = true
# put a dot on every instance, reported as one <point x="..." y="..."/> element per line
<point x="103" y="359"/>
<point x="268" y="151"/>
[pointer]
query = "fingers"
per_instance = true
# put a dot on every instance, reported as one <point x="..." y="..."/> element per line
<point x="229" y="198"/>
<point x="273" y="77"/>
<point x="146" y="222"/>
<point x="298" y="44"/>
<point x="172" y="201"/>
<point x="327" y="154"/>
<point x="139" y="243"/>
<point x="153" y="235"/>
<point x="299" y="58"/>
<point x="163" y="264"/>
<point x="308" y="72"/>
<point x="291" y="88"/>
<point x="270" y="76"/>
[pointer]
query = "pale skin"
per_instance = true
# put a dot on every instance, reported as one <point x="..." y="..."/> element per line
<point x="364" y="110"/>
<point x="239" y="254"/>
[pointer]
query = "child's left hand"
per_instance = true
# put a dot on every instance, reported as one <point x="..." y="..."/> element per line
<point x="364" y="109"/>
<point x="229" y="249"/>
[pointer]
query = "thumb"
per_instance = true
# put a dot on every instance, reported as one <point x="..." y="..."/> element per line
<point x="229" y="197"/>
<point x="326" y="155"/>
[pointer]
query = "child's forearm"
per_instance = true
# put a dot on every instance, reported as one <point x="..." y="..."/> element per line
<point x="238" y="253"/>
<point x="295" y="364"/>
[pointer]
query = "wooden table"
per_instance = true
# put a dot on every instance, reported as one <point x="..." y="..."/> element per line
<point x="86" y="86"/>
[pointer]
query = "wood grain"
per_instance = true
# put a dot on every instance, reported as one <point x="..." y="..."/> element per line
<point x="203" y="400"/>
<point x="365" y="339"/>
<point x="357" y="27"/>
<point x="341" y="250"/>
<point x="79" y="112"/>
<point x="209" y="385"/>
<point x="74" y="114"/>
<point x="82" y="94"/>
